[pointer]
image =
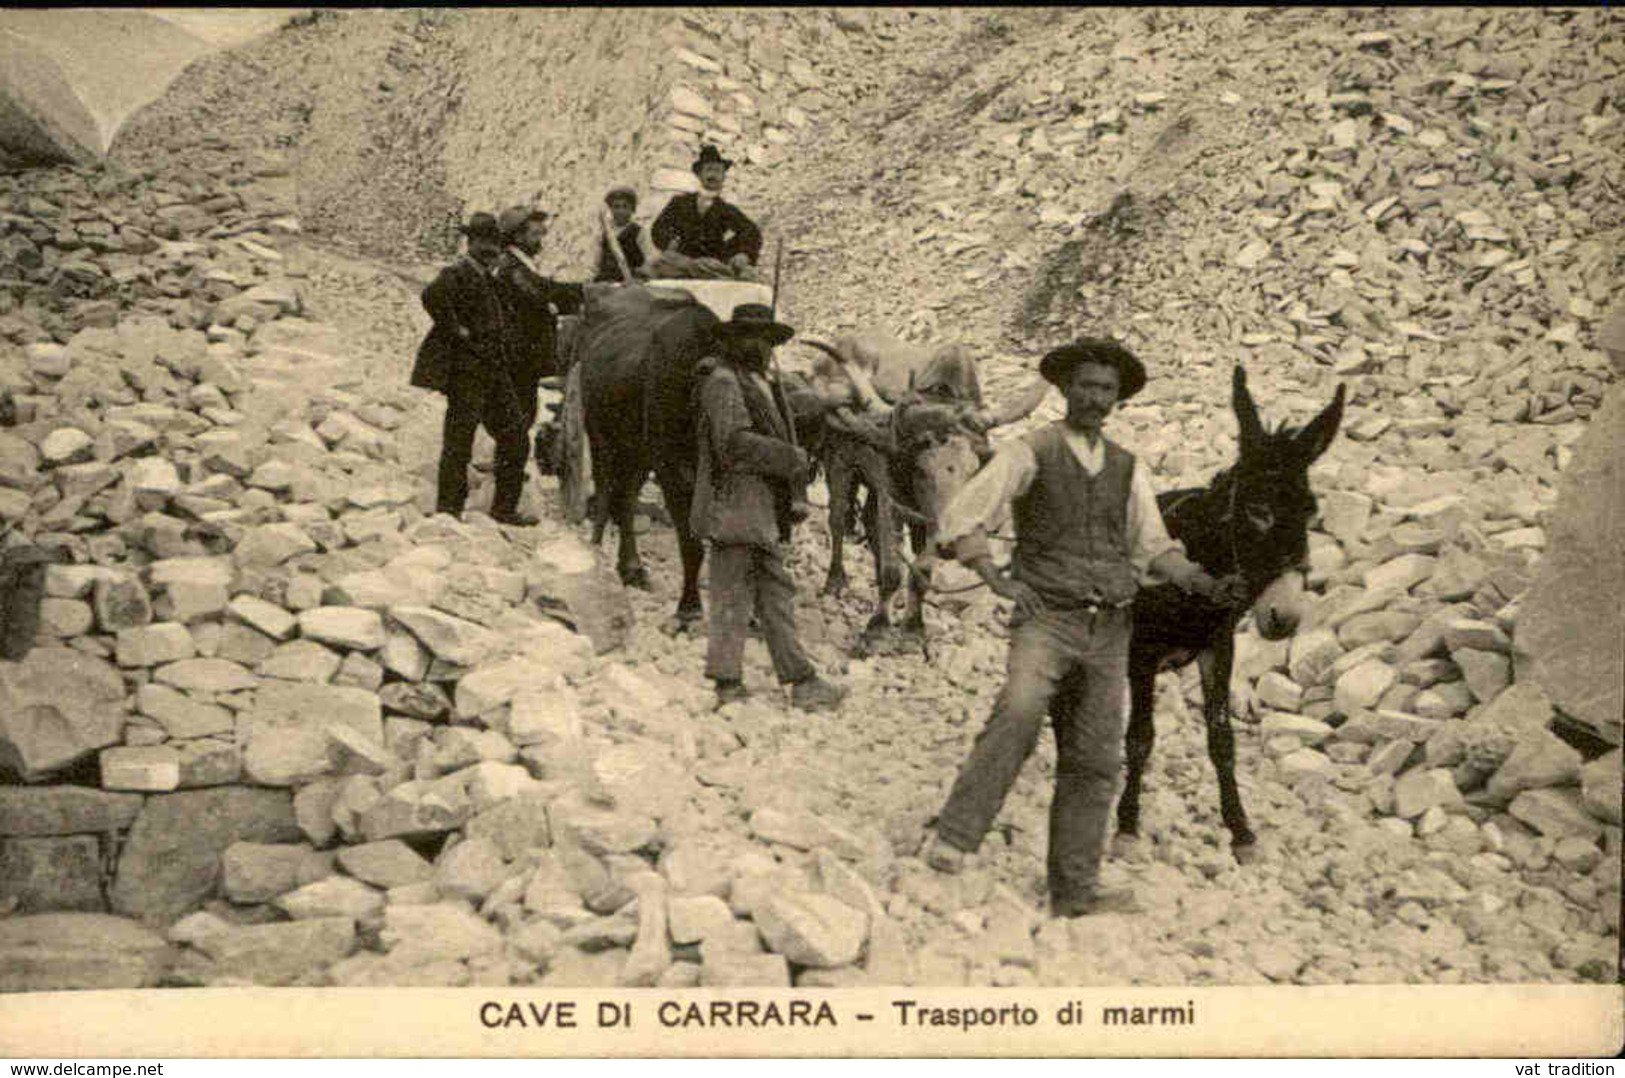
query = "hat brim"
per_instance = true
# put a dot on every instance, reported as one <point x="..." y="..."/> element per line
<point x="723" y="161"/>
<point x="1057" y="367"/>
<point x="777" y="332"/>
<point x="512" y="225"/>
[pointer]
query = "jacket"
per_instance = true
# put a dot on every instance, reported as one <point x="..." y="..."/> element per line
<point x="747" y="464"/>
<point x="530" y="300"/>
<point x="722" y="232"/>
<point x="462" y="296"/>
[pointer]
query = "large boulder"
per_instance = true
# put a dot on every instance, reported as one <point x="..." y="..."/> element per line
<point x="281" y="953"/>
<point x="42" y="121"/>
<point x="57" y="706"/>
<point x="64" y="810"/>
<point x="570" y="576"/>
<point x="67" y="82"/>
<point x="58" y="872"/>
<point x="813" y="929"/>
<point x="1571" y="621"/>
<point x="171" y="861"/>
<point x="53" y="951"/>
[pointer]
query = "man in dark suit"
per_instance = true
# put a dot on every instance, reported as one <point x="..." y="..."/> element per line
<point x="533" y="301"/>
<point x="749" y="473"/>
<point x="701" y="225"/>
<point x="466" y="356"/>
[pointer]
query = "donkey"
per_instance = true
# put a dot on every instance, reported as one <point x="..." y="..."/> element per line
<point x="1252" y="520"/>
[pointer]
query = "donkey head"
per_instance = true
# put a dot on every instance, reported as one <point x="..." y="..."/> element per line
<point x="1269" y="506"/>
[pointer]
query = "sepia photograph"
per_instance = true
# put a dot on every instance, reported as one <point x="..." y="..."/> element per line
<point x="797" y="531"/>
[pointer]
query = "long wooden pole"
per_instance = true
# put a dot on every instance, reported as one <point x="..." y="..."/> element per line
<point x="798" y="497"/>
<point x="614" y="242"/>
<point x="773" y="307"/>
<point x="778" y="265"/>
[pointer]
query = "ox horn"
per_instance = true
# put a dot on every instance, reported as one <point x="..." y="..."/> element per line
<point x="854" y="372"/>
<point x="1023" y="405"/>
<point x="911" y="515"/>
<point x="824" y="347"/>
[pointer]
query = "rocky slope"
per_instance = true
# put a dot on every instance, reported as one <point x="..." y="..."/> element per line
<point x="68" y="83"/>
<point x="362" y="746"/>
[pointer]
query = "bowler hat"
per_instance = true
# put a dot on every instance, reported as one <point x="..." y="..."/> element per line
<point x="710" y="155"/>
<point x="622" y="192"/>
<point x="515" y="218"/>
<point x="755" y="319"/>
<point x="1058" y="365"/>
<point x="481" y="225"/>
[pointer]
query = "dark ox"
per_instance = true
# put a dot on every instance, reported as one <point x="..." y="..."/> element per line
<point x="1253" y="519"/>
<point x="926" y="451"/>
<point x="638" y="348"/>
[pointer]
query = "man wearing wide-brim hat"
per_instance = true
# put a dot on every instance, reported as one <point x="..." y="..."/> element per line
<point x="750" y="471"/>
<point x="700" y="224"/>
<point x="468" y="357"/>
<point x="1088" y="534"/>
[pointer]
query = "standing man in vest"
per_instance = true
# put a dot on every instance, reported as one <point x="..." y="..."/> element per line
<point x="628" y="234"/>
<point x="700" y="224"/>
<point x="467" y="356"/>
<point x="1088" y="530"/>
<point x="749" y="471"/>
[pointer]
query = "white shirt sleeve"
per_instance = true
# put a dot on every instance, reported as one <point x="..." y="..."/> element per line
<point x="1148" y="536"/>
<point x="976" y="507"/>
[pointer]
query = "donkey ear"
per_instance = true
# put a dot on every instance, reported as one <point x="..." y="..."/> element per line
<point x="1314" y="439"/>
<point x="1252" y="431"/>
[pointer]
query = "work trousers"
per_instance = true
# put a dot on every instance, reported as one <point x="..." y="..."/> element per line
<point x="1074" y="667"/>
<point x="746" y="578"/>
<point x="507" y="419"/>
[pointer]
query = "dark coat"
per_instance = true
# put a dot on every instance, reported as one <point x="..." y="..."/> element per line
<point x="608" y="268"/>
<point x="462" y="297"/>
<point x="746" y="461"/>
<point x="530" y="300"/>
<point x="722" y="232"/>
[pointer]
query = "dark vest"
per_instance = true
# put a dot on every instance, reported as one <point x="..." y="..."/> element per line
<point x="1072" y="542"/>
<point x="608" y="268"/>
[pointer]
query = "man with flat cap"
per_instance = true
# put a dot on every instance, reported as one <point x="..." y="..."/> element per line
<point x="467" y="356"/>
<point x="750" y="471"/>
<point x="1088" y="533"/>
<point x="533" y="302"/>
<point x="699" y="224"/>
